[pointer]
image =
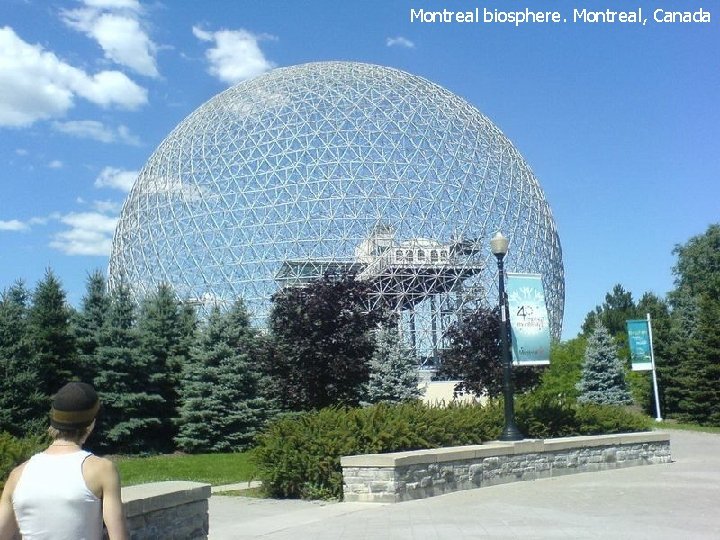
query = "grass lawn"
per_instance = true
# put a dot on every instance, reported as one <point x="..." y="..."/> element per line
<point x="672" y="424"/>
<point x="215" y="469"/>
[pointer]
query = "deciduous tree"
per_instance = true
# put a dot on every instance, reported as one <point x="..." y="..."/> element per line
<point x="322" y="343"/>
<point x="474" y="356"/>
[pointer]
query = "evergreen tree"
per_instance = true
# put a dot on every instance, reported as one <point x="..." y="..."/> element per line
<point x="393" y="369"/>
<point x="163" y="347"/>
<point x="700" y="373"/>
<point x="50" y="335"/>
<point x="603" y="376"/>
<point x="322" y="343"/>
<point x="618" y="308"/>
<point x="221" y="409"/>
<point x="188" y="326"/>
<point x="697" y="287"/>
<point x="23" y="408"/>
<point x="129" y="420"/>
<point x="88" y="322"/>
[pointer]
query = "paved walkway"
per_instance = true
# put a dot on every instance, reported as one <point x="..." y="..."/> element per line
<point x="679" y="500"/>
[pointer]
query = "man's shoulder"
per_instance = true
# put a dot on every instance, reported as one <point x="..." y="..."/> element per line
<point x="17" y="471"/>
<point x="99" y="464"/>
<point x="13" y="478"/>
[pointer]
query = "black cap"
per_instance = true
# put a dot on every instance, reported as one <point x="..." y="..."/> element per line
<point x="75" y="406"/>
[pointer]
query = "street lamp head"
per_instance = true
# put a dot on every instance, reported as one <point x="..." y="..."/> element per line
<point x="499" y="245"/>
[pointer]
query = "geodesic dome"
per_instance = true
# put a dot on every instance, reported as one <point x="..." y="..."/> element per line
<point x="337" y="166"/>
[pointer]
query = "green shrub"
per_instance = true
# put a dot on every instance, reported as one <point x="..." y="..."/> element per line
<point x="593" y="419"/>
<point x="298" y="456"/>
<point x="540" y="416"/>
<point x="13" y="451"/>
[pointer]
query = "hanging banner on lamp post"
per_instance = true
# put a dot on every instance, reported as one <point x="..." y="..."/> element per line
<point x="640" y="346"/>
<point x="529" y="323"/>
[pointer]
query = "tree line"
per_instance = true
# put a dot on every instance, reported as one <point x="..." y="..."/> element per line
<point x="686" y="336"/>
<point x="170" y="379"/>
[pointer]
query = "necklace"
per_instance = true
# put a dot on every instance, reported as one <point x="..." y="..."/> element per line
<point x="65" y="444"/>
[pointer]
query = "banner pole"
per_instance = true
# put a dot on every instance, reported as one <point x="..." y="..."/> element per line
<point x="658" y="417"/>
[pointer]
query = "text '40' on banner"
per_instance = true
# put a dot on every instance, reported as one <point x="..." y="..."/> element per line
<point x="529" y="323"/>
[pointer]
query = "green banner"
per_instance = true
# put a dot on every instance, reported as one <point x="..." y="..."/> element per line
<point x="529" y="324"/>
<point x="639" y="342"/>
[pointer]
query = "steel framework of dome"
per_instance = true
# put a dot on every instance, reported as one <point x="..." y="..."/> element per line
<point x="337" y="166"/>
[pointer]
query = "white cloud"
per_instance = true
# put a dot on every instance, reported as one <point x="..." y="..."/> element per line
<point x="13" y="225"/>
<point x="117" y="28"/>
<point x="43" y="220"/>
<point x="116" y="178"/>
<point x="132" y="5"/>
<point x="92" y="129"/>
<point x="111" y="87"/>
<point x="400" y="41"/>
<point x="89" y="233"/>
<point x="35" y="84"/>
<point x="107" y="207"/>
<point x="55" y="164"/>
<point x="85" y="233"/>
<point x="236" y="55"/>
<point x="125" y="136"/>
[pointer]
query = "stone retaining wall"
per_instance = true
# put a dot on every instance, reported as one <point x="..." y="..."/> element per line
<point x="401" y="476"/>
<point x="167" y="510"/>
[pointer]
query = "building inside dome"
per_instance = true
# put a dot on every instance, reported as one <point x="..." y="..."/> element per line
<point x="335" y="166"/>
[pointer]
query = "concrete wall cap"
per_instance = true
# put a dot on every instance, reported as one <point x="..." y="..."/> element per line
<point x="145" y="498"/>
<point x="499" y="448"/>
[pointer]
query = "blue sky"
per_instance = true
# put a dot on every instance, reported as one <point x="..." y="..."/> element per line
<point x="620" y="123"/>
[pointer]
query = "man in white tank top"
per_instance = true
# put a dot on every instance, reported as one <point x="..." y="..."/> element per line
<point x="65" y="493"/>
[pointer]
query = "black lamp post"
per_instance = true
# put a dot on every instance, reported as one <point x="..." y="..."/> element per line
<point x="499" y="247"/>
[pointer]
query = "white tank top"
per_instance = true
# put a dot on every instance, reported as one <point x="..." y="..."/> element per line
<point x="52" y="501"/>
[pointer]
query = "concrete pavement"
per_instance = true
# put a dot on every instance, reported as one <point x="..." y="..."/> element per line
<point x="668" y="501"/>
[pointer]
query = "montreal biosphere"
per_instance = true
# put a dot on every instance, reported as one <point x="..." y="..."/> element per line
<point x="331" y="167"/>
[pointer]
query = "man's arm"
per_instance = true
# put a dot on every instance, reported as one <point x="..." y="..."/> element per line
<point x="112" y="507"/>
<point x="8" y="524"/>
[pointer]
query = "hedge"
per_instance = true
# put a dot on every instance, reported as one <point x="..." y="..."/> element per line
<point x="298" y="456"/>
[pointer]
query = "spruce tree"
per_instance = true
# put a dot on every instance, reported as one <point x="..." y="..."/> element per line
<point x="700" y="372"/>
<point x="50" y="335"/>
<point x="222" y="409"/>
<point x="393" y="369"/>
<point x="683" y="331"/>
<point x="23" y="408"/>
<point x="88" y="322"/>
<point x="129" y="419"/>
<point x="603" y="376"/>
<point x="693" y="328"/>
<point x="163" y="348"/>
